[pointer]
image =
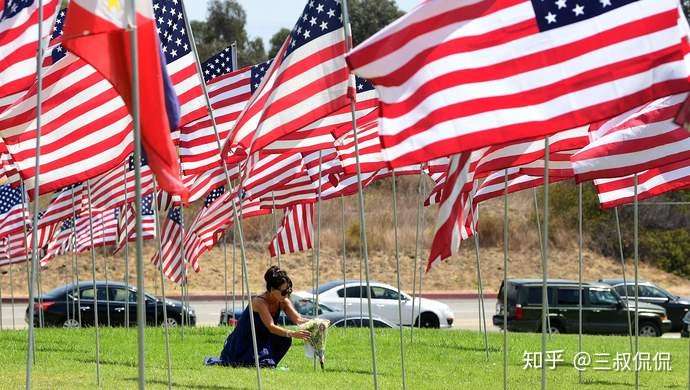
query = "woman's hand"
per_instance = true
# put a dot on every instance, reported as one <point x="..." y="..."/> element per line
<point x="300" y="334"/>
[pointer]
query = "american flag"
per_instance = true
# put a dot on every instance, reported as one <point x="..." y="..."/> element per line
<point x="126" y="222"/>
<point x="653" y="182"/>
<point x="370" y="157"/>
<point x="228" y="94"/>
<point x="454" y="76"/>
<point x="80" y="108"/>
<point x="13" y="249"/>
<point x="267" y="172"/>
<point x="19" y="42"/>
<point x="559" y="166"/>
<point x="308" y="81"/>
<point x="218" y="64"/>
<point x="494" y="184"/>
<point x="55" y="49"/>
<point x="640" y="139"/>
<point x="171" y="236"/>
<point x="104" y="227"/>
<point x="61" y="242"/>
<point x="13" y="215"/>
<point x="296" y="232"/>
<point x="111" y="189"/>
<point x="180" y="59"/>
<point x="63" y="204"/>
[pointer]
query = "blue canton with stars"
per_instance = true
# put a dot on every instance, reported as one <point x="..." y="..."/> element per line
<point x="130" y="162"/>
<point x="213" y="195"/>
<point x="363" y="85"/>
<point x="9" y="197"/>
<point x="258" y="73"/>
<point x="68" y="224"/>
<point x="218" y="65"/>
<point x="147" y="205"/>
<point x="318" y="18"/>
<point x="558" y="13"/>
<point x="175" y="215"/>
<point x="58" y="51"/>
<point x="171" y="28"/>
<point x="13" y="7"/>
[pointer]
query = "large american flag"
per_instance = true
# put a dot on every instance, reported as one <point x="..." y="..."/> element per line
<point x="228" y="94"/>
<point x="296" y="232"/>
<point x="308" y="81"/>
<point x="459" y="75"/>
<point x="19" y="42"/>
<point x="180" y="59"/>
<point x="171" y="238"/>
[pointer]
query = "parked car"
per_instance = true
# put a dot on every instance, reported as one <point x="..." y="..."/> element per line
<point x="685" y="330"/>
<point x="676" y="307"/>
<point x="604" y="312"/>
<point x="384" y="302"/>
<point x="302" y="302"/>
<point x="72" y="298"/>
<point x="339" y="320"/>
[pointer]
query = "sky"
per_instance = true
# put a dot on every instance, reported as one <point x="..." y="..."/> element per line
<point x="265" y="17"/>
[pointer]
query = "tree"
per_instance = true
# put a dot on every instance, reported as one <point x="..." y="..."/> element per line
<point x="369" y="16"/>
<point x="225" y="23"/>
<point x="277" y="41"/>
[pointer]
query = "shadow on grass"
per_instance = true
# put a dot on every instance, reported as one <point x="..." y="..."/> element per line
<point x="351" y="371"/>
<point x="186" y="385"/>
<point x="466" y="348"/>
<point x="600" y="382"/>
<point x="108" y="362"/>
<point x="43" y="348"/>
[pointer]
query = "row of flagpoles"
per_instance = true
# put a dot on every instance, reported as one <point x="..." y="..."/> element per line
<point x="482" y="116"/>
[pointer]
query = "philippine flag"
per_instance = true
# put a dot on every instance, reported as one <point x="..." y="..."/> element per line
<point x="97" y="31"/>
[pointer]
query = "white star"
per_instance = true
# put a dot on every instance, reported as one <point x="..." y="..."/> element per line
<point x="173" y="53"/>
<point x="311" y="4"/>
<point x="331" y="13"/>
<point x="312" y="21"/>
<point x="319" y="8"/>
<point x="178" y="41"/>
<point x="550" y="18"/>
<point x="579" y="10"/>
<point x="605" y="3"/>
<point x="186" y="47"/>
<point x="561" y="3"/>
<point x="323" y="25"/>
<point x="307" y="35"/>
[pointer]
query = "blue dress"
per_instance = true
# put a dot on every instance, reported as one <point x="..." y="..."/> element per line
<point x="238" y="350"/>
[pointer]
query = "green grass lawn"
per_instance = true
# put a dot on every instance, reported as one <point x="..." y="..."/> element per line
<point x="435" y="359"/>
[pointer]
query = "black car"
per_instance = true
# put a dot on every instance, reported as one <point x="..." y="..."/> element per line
<point x="604" y="312"/>
<point x="676" y="307"/>
<point x="304" y="306"/>
<point x="61" y="306"/>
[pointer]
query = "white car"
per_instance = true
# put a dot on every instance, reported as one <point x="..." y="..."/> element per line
<point x="384" y="303"/>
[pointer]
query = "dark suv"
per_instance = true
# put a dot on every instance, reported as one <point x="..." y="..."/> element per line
<point x="675" y="306"/>
<point x="603" y="311"/>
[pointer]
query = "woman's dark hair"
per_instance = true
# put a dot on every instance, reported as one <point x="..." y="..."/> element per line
<point x="275" y="277"/>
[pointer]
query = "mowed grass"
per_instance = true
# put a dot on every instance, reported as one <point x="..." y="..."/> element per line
<point x="65" y="359"/>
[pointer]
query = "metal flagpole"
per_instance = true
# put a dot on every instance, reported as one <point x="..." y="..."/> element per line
<point x="636" y="238"/>
<point x="234" y="276"/>
<point x="397" y="279"/>
<point x="579" y="275"/>
<point x="317" y="241"/>
<point x="342" y="229"/>
<point x="11" y="288"/>
<point x="126" y="252"/>
<point x="275" y="224"/>
<point x="107" y="282"/>
<point x="95" y="291"/>
<point x="625" y="280"/>
<point x="421" y="269"/>
<point x="237" y="217"/>
<point x="41" y="321"/>
<point x="541" y="248"/>
<point x="141" y="308"/>
<point x="225" y="271"/>
<point x="505" y="277"/>
<point x="37" y="171"/>
<point x="184" y="272"/>
<point x="75" y="291"/>
<point x="544" y="264"/>
<point x="1" y="324"/>
<point x="482" y="310"/>
<point x="420" y="204"/>
<point x="165" y="303"/>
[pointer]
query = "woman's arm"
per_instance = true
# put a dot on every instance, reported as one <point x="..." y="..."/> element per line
<point x="261" y="307"/>
<point x="291" y="313"/>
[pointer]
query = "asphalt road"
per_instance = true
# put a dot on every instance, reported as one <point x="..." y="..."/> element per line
<point x="208" y="314"/>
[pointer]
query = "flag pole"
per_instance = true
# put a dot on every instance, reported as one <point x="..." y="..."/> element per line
<point x="625" y="280"/>
<point x="505" y="275"/>
<point x="141" y="308"/>
<point x="397" y="277"/>
<point x="420" y="204"/>
<point x="95" y="291"/>
<point x="579" y="275"/>
<point x="37" y="171"/>
<point x="342" y="229"/>
<point x="12" y="285"/>
<point x="166" y="331"/>
<point x="482" y="310"/>
<point x="234" y="276"/>
<point x="184" y="272"/>
<point x="275" y="225"/>
<point x="107" y="283"/>
<point x="544" y="264"/>
<point x="225" y="270"/>
<point x="41" y="320"/>
<point x="636" y="227"/>
<point x="421" y="267"/>
<point x="237" y="218"/>
<point x="126" y="252"/>
<point x="74" y="257"/>
<point x="360" y="195"/>
<point x="317" y="241"/>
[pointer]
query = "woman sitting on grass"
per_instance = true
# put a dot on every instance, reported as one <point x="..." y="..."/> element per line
<point x="272" y="340"/>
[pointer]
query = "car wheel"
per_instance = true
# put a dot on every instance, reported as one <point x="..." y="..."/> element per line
<point x="70" y="323"/>
<point x="649" y="329"/>
<point x="554" y="329"/>
<point x="429" y="320"/>
<point x="172" y="323"/>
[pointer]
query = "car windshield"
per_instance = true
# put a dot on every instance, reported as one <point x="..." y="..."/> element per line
<point x="306" y="307"/>
<point x="603" y="297"/>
